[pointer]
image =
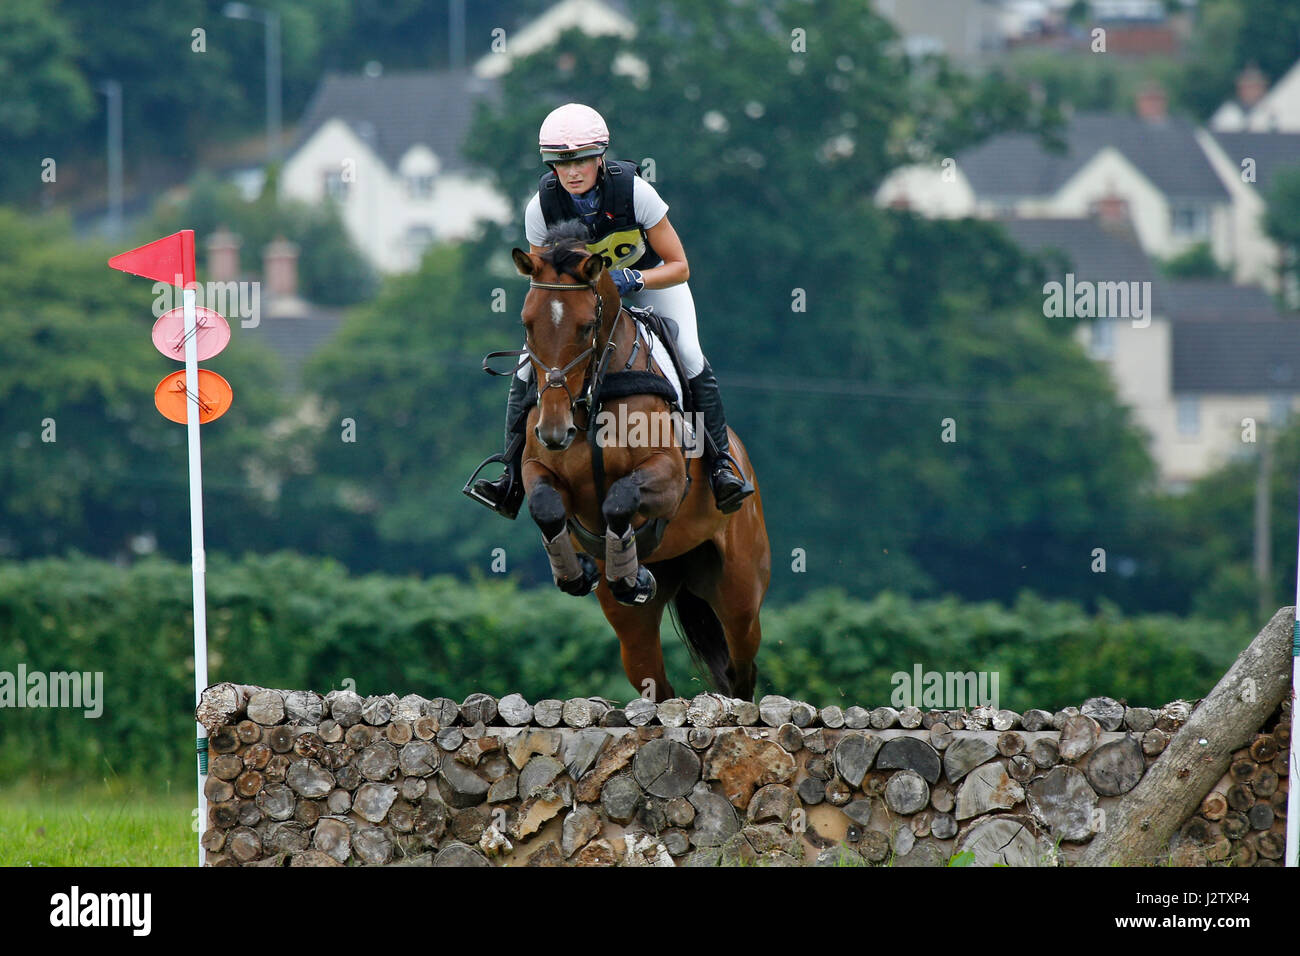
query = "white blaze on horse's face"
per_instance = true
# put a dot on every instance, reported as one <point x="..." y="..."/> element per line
<point x="557" y="312"/>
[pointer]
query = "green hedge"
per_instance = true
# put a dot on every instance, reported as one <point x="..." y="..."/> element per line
<point x="289" y="621"/>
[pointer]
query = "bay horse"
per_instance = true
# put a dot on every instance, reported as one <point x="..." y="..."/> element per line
<point x="714" y="567"/>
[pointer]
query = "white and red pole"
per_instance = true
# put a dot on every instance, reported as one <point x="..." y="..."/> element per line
<point x="205" y="396"/>
<point x="198" y="562"/>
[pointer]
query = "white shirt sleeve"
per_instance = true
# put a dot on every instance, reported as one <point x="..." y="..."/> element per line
<point x="646" y="204"/>
<point x="534" y="222"/>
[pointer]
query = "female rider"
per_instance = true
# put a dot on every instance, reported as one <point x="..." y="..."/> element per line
<point x="628" y="224"/>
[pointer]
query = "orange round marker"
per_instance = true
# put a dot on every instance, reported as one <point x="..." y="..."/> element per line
<point x="215" y="396"/>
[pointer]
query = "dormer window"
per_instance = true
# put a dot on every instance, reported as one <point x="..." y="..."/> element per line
<point x="418" y="170"/>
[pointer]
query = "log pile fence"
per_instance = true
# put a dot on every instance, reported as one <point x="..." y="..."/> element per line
<point x="300" y="779"/>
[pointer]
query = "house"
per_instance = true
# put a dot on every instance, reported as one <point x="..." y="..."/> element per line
<point x="1212" y="357"/>
<point x="965" y="31"/>
<point x="387" y="149"/>
<point x="1248" y="164"/>
<point x="591" y="16"/>
<point x="1153" y="162"/>
<point x="1257" y="108"/>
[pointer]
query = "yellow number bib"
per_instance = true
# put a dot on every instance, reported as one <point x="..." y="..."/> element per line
<point x="619" y="249"/>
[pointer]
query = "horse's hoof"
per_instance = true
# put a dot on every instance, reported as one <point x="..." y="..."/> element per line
<point x="642" y="591"/>
<point x="581" y="587"/>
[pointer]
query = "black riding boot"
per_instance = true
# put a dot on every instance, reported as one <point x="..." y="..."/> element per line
<point x="730" y="487"/>
<point x="506" y="494"/>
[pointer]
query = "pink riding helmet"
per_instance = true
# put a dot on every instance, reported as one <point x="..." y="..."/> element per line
<point x="572" y="131"/>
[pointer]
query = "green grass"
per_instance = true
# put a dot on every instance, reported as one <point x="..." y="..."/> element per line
<point x="104" y="824"/>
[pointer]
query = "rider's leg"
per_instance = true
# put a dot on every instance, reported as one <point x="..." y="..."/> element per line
<point x="506" y="494"/>
<point x="730" y="487"/>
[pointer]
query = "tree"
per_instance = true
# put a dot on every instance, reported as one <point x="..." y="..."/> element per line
<point x="1231" y="35"/>
<point x="331" y="271"/>
<point x="44" y="92"/>
<point x="94" y="465"/>
<point x="1196" y="262"/>
<point x="1282" y="223"/>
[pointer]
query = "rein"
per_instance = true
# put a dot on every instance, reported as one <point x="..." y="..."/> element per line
<point x="556" y="375"/>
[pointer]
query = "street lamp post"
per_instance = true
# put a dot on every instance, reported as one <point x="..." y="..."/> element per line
<point x="271" y="19"/>
<point x="112" y="90"/>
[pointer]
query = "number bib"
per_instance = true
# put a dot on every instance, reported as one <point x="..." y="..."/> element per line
<point x="619" y="249"/>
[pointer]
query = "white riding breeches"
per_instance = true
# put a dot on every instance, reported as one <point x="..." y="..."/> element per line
<point x="676" y="303"/>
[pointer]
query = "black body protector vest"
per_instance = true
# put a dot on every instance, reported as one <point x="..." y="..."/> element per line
<point x="615" y="235"/>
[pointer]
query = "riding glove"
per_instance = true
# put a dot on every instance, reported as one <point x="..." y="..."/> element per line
<point x="627" y="281"/>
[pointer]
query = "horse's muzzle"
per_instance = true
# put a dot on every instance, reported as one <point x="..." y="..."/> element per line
<point x="553" y="440"/>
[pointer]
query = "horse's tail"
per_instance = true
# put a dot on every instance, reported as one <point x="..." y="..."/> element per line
<point x="702" y="633"/>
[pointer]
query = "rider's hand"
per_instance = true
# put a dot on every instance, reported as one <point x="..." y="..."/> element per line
<point x="627" y="280"/>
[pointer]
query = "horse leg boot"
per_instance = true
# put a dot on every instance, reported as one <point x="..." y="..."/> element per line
<point x="629" y="581"/>
<point x="573" y="573"/>
<point x="730" y="486"/>
<point x="506" y="494"/>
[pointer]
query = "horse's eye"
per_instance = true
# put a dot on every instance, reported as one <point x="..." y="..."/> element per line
<point x="587" y="329"/>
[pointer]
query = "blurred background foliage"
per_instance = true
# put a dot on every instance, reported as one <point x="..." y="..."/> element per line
<point x="973" y="554"/>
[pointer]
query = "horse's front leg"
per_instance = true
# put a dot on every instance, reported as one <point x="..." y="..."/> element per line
<point x="651" y="489"/>
<point x="573" y="573"/>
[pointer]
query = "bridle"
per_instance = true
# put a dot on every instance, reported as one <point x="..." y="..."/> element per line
<point x="556" y="376"/>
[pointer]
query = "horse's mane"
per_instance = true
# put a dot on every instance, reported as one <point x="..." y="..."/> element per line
<point x="567" y="247"/>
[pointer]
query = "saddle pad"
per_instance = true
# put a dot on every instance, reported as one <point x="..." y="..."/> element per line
<point x="665" y="363"/>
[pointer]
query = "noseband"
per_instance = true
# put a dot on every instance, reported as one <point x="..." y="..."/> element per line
<point x="555" y="375"/>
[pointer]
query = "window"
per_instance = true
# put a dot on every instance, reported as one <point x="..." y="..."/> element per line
<point x="336" y="187"/>
<point x="420" y="186"/>
<point x="1190" y="220"/>
<point x="1101" y="344"/>
<point x="419" y="238"/>
<point x="1189" y="416"/>
<point x="1279" y="410"/>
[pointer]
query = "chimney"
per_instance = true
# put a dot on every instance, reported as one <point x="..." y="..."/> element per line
<point x="1152" y="103"/>
<point x="1111" y="210"/>
<point x="1251" y="86"/>
<point x="223" y="256"/>
<point x="280" y="268"/>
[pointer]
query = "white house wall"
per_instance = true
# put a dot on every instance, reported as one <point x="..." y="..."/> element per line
<point x="1219" y="441"/>
<point x="378" y="210"/>
<point x="927" y="193"/>
<point x="1139" y="367"/>
<point x="1254" y="255"/>
<point x="335" y="148"/>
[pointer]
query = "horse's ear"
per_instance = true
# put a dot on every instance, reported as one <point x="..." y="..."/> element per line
<point x="524" y="262"/>
<point x="592" y="267"/>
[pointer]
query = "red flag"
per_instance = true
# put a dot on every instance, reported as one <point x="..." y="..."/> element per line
<point x="165" y="259"/>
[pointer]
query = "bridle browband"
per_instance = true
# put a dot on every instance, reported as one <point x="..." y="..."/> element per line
<point x="556" y="375"/>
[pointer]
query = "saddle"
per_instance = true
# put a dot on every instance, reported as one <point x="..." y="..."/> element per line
<point x="621" y="384"/>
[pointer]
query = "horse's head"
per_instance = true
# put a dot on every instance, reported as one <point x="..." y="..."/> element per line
<point x="567" y="315"/>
